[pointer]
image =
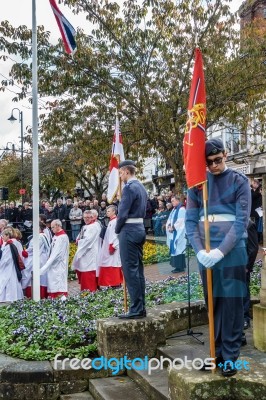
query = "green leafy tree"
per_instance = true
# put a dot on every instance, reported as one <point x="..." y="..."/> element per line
<point x="138" y="58"/>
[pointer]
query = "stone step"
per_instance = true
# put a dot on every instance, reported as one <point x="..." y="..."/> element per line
<point x="116" y="388"/>
<point x="77" y="396"/>
<point x="154" y="385"/>
<point x="183" y="351"/>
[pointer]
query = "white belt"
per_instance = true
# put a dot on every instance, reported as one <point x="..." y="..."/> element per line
<point x="219" y="217"/>
<point x="134" y="221"/>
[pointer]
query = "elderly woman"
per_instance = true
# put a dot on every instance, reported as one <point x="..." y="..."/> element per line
<point x="75" y="217"/>
<point x="10" y="275"/>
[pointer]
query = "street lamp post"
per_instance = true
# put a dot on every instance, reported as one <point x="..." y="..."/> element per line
<point x="13" y="119"/>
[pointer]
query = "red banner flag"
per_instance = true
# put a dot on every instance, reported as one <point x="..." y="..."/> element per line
<point x="194" y="140"/>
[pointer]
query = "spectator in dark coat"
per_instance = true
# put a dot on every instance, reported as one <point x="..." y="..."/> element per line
<point x="256" y="197"/>
<point x="68" y="207"/>
<point x="26" y="218"/>
<point x="12" y="214"/>
<point x="60" y="210"/>
<point x="148" y="216"/>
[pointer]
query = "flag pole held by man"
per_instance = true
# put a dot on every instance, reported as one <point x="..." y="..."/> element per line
<point x="194" y="160"/>
<point x="229" y="200"/>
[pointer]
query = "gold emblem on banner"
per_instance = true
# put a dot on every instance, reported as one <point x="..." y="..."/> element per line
<point x="196" y="115"/>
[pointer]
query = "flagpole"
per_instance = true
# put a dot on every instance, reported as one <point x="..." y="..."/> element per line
<point x="35" y="162"/>
<point x="209" y="273"/>
<point x="119" y="193"/>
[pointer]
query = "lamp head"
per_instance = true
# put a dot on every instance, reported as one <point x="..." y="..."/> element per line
<point x="12" y="118"/>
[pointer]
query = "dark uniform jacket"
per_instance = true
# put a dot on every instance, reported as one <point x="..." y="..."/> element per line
<point x="133" y="203"/>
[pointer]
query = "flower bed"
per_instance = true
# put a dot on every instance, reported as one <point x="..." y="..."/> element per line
<point x="154" y="253"/>
<point x="40" y="330"/>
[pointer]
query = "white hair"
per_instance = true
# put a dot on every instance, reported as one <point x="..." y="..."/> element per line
<point x="57" y="222"/>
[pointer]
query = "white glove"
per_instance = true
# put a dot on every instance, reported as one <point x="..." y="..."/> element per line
<point x="208" y="260"/>
<point x="204" y="258"/>
<point x="216" y="255"/>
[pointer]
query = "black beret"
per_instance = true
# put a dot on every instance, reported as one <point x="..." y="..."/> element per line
<point x="213" y="146"/>
<point x="127" y="163"/>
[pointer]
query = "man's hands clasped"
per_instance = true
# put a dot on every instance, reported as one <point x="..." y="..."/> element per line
<point x="208" y="260"/>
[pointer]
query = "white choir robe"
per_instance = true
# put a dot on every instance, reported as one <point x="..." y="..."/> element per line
<point x="10" y="287"/>
<point x="19" y="247"/>
<point x="110" y="272"/>
<point x="180" y="239"/>
<point x="56" y="266"/>
<point x="48" y="234"/>
<point x="179" y="235"/>
<point x="44" y="248"/>
<point x="85" y="261"/>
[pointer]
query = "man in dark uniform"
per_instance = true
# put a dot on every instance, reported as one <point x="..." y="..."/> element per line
<point x="130" y="227"/>
<point x="228" y="210"/>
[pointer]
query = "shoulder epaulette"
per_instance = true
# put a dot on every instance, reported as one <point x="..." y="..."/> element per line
<point x="240" y="174"/>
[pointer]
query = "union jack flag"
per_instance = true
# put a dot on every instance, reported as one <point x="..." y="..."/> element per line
<point x="68" y="33"/>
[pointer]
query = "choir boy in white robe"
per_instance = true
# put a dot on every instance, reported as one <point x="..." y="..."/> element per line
<point x="46" y="230"/>
<point x="45" y="248"/>
<point x="56" y="266"/>
<point x="85" y="261"/>
<point x="3" y="225"/>
<point x="10" y="286"/>
<point x="110" y="273"/>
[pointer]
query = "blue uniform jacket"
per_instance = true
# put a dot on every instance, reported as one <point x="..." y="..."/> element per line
<point x="228" y="193"/>
<point x="133" y="203"/>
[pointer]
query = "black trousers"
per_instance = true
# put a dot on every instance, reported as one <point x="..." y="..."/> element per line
<point x="229" y="289"/>
<point x="178" y="262"/>
<point x="131" y="240"/>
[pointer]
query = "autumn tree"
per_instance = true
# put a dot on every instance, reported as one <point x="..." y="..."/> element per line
<point x="137" y="57"/>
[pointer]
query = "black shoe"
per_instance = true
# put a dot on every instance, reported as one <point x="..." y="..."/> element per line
<point x="229" y="371"/>
<point x="243" y="340"/>
<point x="144" y="313"/>
<point x="246" y="324"/>
<point x="131" y="316"/>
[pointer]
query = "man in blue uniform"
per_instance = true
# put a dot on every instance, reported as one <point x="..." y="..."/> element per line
<point x="130" y="227"/>
<point x="228" y="210"/>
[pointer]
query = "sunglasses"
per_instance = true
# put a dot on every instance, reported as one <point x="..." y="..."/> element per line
<point x="216" y="161"/>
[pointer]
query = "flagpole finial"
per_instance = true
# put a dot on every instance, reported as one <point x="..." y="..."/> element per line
<point x="196" y="40"/>
<point x="196" y="32"/>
